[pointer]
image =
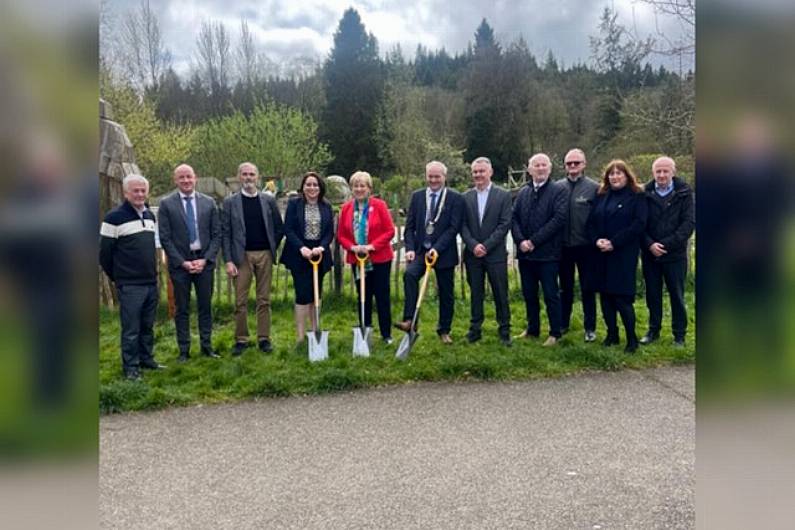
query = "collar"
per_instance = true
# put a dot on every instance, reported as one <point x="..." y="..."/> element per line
<point x="539" y="186"/>
<point x="183" y="196"/>
<point x="428" y="191"/>
<point x="664" y="191"/>
<point x="250" y="196"/>
<point x="485" y="190"/>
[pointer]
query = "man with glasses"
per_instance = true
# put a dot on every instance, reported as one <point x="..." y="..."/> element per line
<point x="577" y="251"/>
<point x="252" y="230"/>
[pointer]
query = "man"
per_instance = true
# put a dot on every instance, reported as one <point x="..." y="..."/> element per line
<point x="252" y="230"/>
<point x="190" y="234"/>
<point x="487" y="219"/>
<point x="577" y="250"/>
<point x="127" y="255"/>
<point x="670" y="224"/>
<point x="432" y="224"/>
<point x="539" y="216"/>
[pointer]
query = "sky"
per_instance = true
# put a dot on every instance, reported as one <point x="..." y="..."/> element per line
<point x="289" y="29"/>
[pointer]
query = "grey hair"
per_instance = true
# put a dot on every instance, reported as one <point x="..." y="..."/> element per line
<point x="436" y="163"/>
<point x="578" y="151"/>
<point x="129" y="179"/>
<point x="537" y="156"/>
<point x="481" y="159"/>
<point x="240" y="167"/>
<point x="665" y="159"/>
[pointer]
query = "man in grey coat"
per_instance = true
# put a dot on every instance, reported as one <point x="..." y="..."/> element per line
<point x="487" y="219"/>
<point x="190" y="234"/>
<point x="252" y="230"/>
<point x="577" y="250"/>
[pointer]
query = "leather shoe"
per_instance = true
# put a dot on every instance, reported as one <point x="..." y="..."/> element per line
<point x="183" y="357"/>
<point x="632" y="346"/>
<point x="238" y="348"/>
<point x="210" y="353"/>
<point x="551" y="341"/>
<point x="152" y="365"/>
<point x="405" y="325"/>
<point x="446" y="338"/>
<point x="265" y="346"/>
<point x="590" y="336"/>
<point x="473" y="336"/>
<point x="649" y="337"/>
<point x="610" y="340"/>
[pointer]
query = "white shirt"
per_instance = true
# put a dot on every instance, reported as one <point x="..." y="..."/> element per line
<point x="483" y="196"/>
<point x="537" y="185"/>
<point x="428" y="192"/>
<point x="194" y="245"/>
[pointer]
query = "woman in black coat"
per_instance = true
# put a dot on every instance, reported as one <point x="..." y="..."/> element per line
<point x="308" y="230"/>
<point x="615" y="226"/>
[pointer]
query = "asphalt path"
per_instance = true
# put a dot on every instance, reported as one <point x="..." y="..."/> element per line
<point x="602" y="450"/>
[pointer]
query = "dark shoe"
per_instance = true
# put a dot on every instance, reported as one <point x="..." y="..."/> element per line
<point x="610" y="340"/>
<point x="632" y="344"/>
<point x="132" y="375"/>
<point x="403" y="326"/>
<point x="590" y="336"/>
<point x="445" y="338"/>
<point x="207" y="352"/>
<point x="152" y="365"/>
<point x="265" y="346"/>
<point x="506" y="341"/>
<point x="238" y="348"/>
<point x="387" y="340"/>
<point x="679" y="342"/>
<point x="473" y="336"/>
<point x="649" y="337"/>
<point x="564" y="330"/>
<point x="183" y="357"/>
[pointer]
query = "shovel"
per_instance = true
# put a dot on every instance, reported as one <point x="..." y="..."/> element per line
<point x="411" y="337"/>
<point x="361" y="334"/>
<point x="317" y="340"/>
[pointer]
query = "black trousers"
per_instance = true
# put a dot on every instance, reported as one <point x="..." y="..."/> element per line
<point x="477" y="271"/>
<point x="545" y="273"/>
<point x="582" y="258"/>
<point x="203" y="283"/>
<point x="137" y="307"/>
<point x="623" y="304"/>
<point x="445" y="281"/>
<point x="376" y="284"/>
<point x="673" y="273"/>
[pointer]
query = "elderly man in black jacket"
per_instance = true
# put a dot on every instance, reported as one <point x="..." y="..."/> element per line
<point x="671" y="221"/>
<point x="539" y="216"/>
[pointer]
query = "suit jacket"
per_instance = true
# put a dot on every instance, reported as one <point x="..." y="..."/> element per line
<point x="173" y="229"/>
<point x="294" y="226"/>
<point x="234" y="226"/>
<point x="620" y="217"/>
<point x="445" y="230"/>
<point x="492" y="231"/>
<point x="540" y="216"/>
<point x="380" y="231"/>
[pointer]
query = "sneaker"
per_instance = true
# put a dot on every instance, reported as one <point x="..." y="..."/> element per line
<point x="388" y="340"/>
<point x="649" y="337"/>
<point x="527" y="335"/>
<point x="132" y="375"/>
<point x="551" y="341"/>
<point x="590" y="336"/>
<point x="265" y="346"/>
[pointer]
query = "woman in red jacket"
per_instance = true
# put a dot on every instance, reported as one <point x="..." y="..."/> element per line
<point x="365" y="226"/>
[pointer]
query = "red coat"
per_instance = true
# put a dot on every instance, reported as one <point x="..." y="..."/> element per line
<point x="380" y="231"/>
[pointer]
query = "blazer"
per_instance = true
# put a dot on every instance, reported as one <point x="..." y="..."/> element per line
<point x="443" y="238"/>
<point x="173" y="229"/>
<point x="620" y="217"/>
<point x="234" y="226"/>
<point x="541" y="217"/>
<point x="380" y="231"/>
<point x="294" y="225"/>
<point x="492" y="231"/>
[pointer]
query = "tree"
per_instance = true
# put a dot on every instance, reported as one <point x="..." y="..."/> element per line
<point x="144" y="55"/>
<point x="354" y="86"/>
<point x="214" y="63"/>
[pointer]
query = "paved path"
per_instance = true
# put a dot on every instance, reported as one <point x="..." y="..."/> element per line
<point x="591" y="451"/>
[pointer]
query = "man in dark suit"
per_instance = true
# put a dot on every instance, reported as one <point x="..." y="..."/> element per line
<point x="539" y="216"/>
<point x="252" y="230"/>
<point x="190" y="234"/>
<point x="432" y="224"/>
<point x="487" y="219"/>
<point x="670" y="224"/>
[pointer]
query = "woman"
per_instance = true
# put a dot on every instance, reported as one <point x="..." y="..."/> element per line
<point x="365" y="226"/>
<point x="615" y="226"/>
<point x="309" y="230"/>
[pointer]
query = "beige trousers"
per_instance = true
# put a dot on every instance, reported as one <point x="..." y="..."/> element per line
<point x="258" y="265"/>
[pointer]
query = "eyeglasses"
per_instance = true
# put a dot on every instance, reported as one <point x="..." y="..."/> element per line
<point x="574" y="163"/>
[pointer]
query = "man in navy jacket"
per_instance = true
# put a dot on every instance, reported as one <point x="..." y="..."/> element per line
<point x="432" y="224"/>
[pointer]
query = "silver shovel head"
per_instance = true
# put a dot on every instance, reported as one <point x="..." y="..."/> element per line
<point x="318" y="345"/>
<point x="405" y="345"/>
<point x="361" y="342"/>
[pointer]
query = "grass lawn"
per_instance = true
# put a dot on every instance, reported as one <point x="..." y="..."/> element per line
<point x="287" y="370"/>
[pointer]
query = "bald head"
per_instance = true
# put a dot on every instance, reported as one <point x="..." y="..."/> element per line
<point x="185" y="178"/>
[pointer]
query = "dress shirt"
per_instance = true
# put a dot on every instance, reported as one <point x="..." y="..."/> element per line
<point x="482" y="198"/>
<point x="194" y="245"/>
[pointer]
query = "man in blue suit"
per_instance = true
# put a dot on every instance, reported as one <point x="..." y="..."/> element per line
<point x="432" y="224"/>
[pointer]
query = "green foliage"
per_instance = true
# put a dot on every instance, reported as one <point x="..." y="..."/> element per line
<point x="158" y="147"/>
<point x="281" y="141"/>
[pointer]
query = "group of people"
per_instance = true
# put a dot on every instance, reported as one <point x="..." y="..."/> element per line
<point x="599" y="229"/>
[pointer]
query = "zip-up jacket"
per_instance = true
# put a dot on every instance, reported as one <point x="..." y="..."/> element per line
<point x="671" y="221"/>
<point x="127" y="246"/>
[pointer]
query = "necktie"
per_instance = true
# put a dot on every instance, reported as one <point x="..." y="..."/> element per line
<point x="191" y="219"/>
<point x="433" y="207"/>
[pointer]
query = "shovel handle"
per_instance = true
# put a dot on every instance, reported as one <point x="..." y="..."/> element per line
<point x="315" y="282"/>
<point x="430" y="260"/>
<point x="316" y="262"/>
